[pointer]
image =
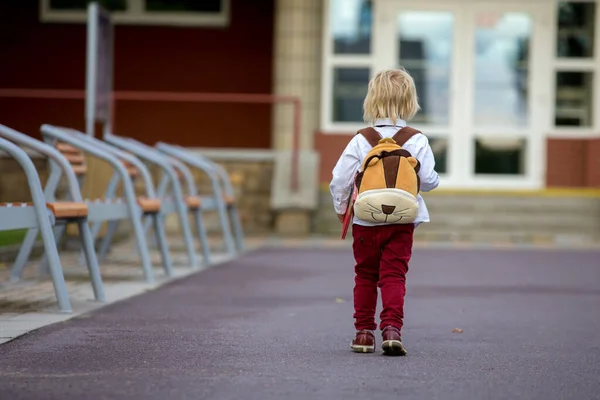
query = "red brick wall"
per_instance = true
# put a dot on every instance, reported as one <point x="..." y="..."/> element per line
<point x="573" y="163"/>
<point x="566" y="163"/>
<point x="330" y="148"/>
<point x="236" y="59"/>
<point x="593" y="163"/>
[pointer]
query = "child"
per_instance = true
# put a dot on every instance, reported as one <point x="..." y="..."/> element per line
<point x="382" y="251"/>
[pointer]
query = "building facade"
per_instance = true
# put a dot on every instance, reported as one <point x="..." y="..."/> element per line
<point x="509" y="90"/>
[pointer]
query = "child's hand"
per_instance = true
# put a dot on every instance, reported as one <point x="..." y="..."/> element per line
<point x="341" y="217"/>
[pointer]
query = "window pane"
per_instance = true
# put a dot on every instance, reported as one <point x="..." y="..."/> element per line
<point x="112" y="5"/>
<point x="501" y="76"/>
<point x="576" y="29"/>
<point x="574" y="99"/>
<point x="184" y="5"/>
<point x="500" y="156"/>
<point x="351" y="22"/>
<point x="425" y="40"/>
<point x="350" y="87"/>
<point x="440" y="153"/>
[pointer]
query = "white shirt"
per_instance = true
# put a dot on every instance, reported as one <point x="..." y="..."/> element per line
<point x="358" y="148"/>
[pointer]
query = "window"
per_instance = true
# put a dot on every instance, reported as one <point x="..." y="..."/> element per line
<point x="348" y="62"/>
<point x="351" y="22"/>
<point x="494" y="156"/>
<point x="350" y="87"/>
<point x="575" y="64"/>
<point x="574" y="98"/>
<point x="149" y="12"/>
<point x="439" y="146"/>
<point x="424" y="40"/>
<point x="575" y="29"/>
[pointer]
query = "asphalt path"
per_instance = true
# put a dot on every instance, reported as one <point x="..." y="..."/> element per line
<point x="277" y="324"/>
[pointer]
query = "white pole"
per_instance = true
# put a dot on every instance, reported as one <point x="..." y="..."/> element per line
<point x="108" y="124"/>
<point x="91" y="68"/>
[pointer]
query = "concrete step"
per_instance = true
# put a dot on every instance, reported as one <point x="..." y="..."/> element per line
<point x="511" y="204"/>
<point x="496" y="217"/>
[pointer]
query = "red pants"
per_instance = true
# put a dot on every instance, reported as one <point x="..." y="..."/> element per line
<point x="382" y="254"/>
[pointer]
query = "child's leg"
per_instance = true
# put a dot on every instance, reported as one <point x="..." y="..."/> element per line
<point x="397" y="241"/>
<point x="367" y="254"/>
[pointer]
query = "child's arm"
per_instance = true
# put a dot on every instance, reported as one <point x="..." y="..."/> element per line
<point x="429" y="178"/>
<point x="343" y="176"/>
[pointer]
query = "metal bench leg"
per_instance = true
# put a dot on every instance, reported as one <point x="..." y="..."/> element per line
<point x="24" y="252"/>
<point x="225" y="226"/>
<point x="160" y="193"/>
<point x="87" y="245"/>
<point x="237" y="227"/>
<point x="140" y="239"/>
<point x="58" y="279"/>
<point x="161" y="238"/>
<point x="113" y="226"/>
<point x="203" y="237"/>
<point x="223" y="215"/>
<point x="29" y="241"/>
<point x="186" y="230"/>
<point x="110" y="193"/>
<point x="59" y="232"/>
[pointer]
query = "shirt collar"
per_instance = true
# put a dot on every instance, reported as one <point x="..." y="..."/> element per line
<point x="400" y="123"/>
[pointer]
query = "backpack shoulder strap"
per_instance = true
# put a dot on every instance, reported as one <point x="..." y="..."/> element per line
<point x="372" y="136"/>
<point x="404" y="134"/>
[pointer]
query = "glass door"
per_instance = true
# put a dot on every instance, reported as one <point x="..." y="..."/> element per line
<point x="483" y="90"/>
<point x="422" y="38"/>
<point x="508" y="93"/>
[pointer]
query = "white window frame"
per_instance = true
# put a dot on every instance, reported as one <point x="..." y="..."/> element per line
<point x="135" y="14"/>
<point x="589" y="64"/>
<point x="329" y="63"/>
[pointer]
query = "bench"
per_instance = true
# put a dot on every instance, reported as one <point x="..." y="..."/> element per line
<point x="111" y="209"/>
<point x="40" y="215"/>
<point x="223" y="197"/>
<point x="172" y="194"/>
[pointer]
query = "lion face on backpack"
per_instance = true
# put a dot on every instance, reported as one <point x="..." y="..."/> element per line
<point x="388" y="185"/>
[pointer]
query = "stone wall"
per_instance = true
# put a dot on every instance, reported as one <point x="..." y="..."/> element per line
<point x="251" y="180"/>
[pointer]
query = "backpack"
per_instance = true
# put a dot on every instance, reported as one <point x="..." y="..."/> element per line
<point x="388" y="182"/>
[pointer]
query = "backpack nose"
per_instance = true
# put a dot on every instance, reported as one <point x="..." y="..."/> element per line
<point x="387" y="210"/>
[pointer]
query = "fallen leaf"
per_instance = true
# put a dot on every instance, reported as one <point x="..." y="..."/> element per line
<point x="457" y="330"/>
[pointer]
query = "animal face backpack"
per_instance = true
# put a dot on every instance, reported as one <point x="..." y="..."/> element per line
<point x="388" y="182"/>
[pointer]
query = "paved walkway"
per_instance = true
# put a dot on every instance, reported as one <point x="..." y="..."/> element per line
<point x="276" y="324"/>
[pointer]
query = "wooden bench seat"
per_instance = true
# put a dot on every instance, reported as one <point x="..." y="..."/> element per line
<point x="193" y="202"/>
<point x="74" y="156"/>
<point x="149" y="205"/>
<point x="229" y="200"/>
<point x="68" y="210"/>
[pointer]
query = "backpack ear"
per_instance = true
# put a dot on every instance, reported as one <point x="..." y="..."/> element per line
<point x="415" y="163"/>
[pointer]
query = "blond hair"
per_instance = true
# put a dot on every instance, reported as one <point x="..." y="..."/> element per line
<point x="392" y="94"/>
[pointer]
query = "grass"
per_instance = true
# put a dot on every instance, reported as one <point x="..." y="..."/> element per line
<point x="8" y="238"/>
